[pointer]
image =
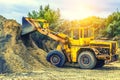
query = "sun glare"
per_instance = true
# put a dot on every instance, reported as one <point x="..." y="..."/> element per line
<point x="79" y="9"/>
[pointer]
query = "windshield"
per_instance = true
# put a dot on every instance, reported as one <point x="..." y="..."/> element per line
<point x="82" y="33"/>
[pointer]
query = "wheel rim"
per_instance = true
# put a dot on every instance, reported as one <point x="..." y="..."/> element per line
<point x="85" y="60"/>
<point x="55" y="59"/>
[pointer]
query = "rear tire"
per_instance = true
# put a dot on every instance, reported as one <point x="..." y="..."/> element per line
<point x="56" y="58"/>
<point x="100" y="63"/>
<point x="87" y="60"/>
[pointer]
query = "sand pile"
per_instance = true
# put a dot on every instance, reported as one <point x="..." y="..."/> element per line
<point x="19" y="54"/>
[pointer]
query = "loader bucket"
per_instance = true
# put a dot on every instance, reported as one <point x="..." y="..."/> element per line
<point x="27" y="27"/>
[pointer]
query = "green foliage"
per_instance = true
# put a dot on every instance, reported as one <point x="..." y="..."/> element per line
<point x="52" y="16"/>
<point x="113" y="25"/>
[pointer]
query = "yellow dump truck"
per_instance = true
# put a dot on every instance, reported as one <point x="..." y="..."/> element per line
<point x="80" y="47"/>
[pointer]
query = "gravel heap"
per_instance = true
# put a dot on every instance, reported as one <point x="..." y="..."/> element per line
<point x="18" y="53"/>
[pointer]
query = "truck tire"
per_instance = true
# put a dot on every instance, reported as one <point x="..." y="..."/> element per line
<point x="100" y="63"/>
<point x="87" y="60"/>
<point x="56" y="58"/>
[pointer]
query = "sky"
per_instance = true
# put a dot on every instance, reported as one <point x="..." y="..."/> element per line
<point x="69" y="9"/>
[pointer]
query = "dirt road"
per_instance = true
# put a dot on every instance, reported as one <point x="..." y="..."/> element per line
<point x="108" y="72"/>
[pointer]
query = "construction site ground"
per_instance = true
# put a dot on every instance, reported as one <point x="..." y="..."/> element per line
<point x="108" y="72"/>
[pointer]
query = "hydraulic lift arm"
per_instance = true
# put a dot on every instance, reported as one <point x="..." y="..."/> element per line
<point x="30" y="25"/>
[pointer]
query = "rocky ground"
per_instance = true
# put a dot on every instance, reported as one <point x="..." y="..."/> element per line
<point x="108" y="72"/>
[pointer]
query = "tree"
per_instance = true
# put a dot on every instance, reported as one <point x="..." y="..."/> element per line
<point x="52" y="16"/>
<point x="95" y="22"/>
<point x="113" y="25"/>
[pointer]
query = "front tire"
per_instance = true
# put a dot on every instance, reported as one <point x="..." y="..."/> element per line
<point x="56" y="58"/>
<point x="87" y="60"/>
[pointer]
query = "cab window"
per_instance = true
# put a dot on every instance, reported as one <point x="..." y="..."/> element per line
<point x="75" y="33"/>
<point x="88" y="32"/>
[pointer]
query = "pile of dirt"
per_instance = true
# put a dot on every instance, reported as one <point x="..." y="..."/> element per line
<point x="18" y="54"/>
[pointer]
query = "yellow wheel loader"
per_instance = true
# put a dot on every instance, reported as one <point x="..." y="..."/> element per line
<point x="80" y="47"/>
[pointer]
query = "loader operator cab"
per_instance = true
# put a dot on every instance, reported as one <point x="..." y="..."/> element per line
<point x="82" y="35"/>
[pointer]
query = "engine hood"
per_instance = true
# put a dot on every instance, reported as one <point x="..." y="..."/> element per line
<point x="104" y="42"/>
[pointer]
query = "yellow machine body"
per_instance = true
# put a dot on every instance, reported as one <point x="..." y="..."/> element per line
<point x="81" y="39"/>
